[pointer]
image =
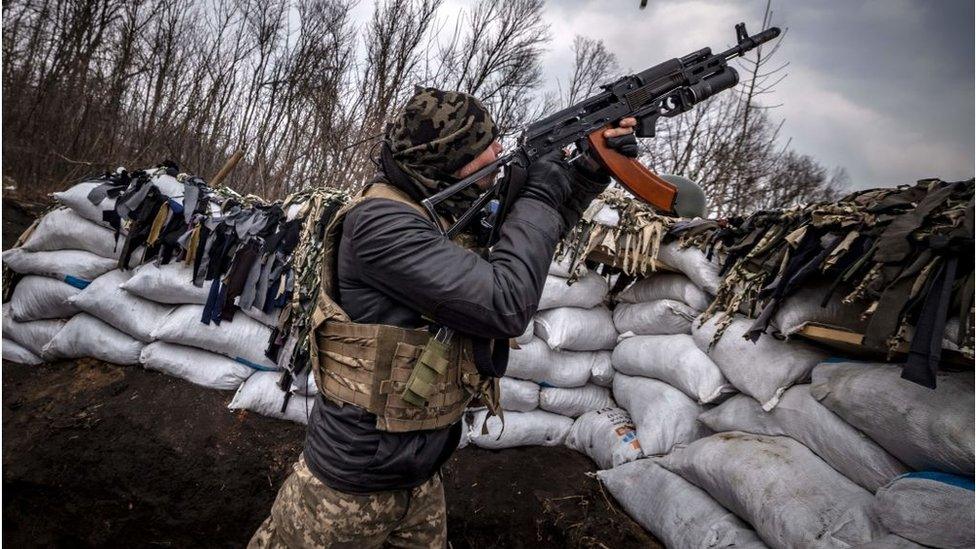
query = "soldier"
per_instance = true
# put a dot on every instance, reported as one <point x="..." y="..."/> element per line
<point x="391" y="398"/>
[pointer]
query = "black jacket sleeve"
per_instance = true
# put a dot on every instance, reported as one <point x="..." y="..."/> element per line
<point x="401" y="253"/>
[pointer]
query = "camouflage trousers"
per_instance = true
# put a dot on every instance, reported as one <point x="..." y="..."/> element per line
<point x="307" y="513"/>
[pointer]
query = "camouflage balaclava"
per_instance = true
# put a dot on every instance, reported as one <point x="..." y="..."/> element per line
<point x="436" y="134"/>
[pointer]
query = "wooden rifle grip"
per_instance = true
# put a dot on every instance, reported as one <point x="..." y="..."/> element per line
<point x="634" y="176"/>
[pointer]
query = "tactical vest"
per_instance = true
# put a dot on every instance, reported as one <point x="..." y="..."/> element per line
<point x="373" y="365"/>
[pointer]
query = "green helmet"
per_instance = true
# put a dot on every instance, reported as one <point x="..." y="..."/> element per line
<point x="690" y="200"/>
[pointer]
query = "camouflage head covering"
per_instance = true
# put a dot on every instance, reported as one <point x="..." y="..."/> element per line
<point x="435" y="135"/>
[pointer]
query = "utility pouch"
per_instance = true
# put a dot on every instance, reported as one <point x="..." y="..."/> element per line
<point x="428" y="370"/>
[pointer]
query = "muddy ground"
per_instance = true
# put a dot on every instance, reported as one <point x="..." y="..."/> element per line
<point x="101" y="455"/>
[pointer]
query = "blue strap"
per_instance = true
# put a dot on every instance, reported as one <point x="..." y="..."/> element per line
<point x="944" y="478"/>
<point x="79" y="283"/>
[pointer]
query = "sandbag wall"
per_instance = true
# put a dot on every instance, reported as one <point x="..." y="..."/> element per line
<point x="560" y="369"/>
<point x="75" y="301"/>
<point x="789" y="446"/>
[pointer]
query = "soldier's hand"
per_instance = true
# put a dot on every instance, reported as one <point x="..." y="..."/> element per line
<point x="622" y="138"/>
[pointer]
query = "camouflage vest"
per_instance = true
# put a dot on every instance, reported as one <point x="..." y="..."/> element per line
<point x="373" y="365"/>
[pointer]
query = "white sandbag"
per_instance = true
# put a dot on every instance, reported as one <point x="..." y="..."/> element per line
<point x="664" y="415"/>
<point x="76" y="198"/>
<point x="304" y="384"/>
<point x="518" y="395"/>
<point x="934" y="509"/>
<point x="75" y="267"/>
<point x="673" y="286"/>
<point x="535" y="428"/>
<point x="586" y="292"/>
<point x="791" y="497"/>
<point x="575" y="329"/>
<point x="535" y="361"/>
<point x="575" y="401"/>
<point x="674" y="359"/>
<point x="527" y="335"/>
<point x="268" y="319"/>
<point x="661" y="317"/>
<point x="601" y="371"/>
<point x="62" y="229"/>
<point x="562" y="267"/>
<point x="608" y="436"/>
<point x="106" y="300"/>
<point x="15" y="352"/>
<point x="171" y="283"/>
<point x="762" y="370"/>
<point x="694" y="264"/>
<point x="168" y="185"/>
<point x="40" y="298"/>
<point x="194" y="365"/>
<point x="677" y="512"/>
<point x="261" y="394"/>
<point x="607" y="216"/>
<point x="927" y="429"/>
<point x="243" y="339"/>
<point x="32" y="335"/>
<point x="86" y="336"/>
<point x="804" y="306"/>
<point x="891" y="541"/>
<point x="800" y="417"/>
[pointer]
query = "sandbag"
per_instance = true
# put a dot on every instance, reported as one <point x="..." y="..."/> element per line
<point x="243" y="339"/>
<point x="107" y="301"/>
<point x="672" y="286"/>
<point x="576" y="401"/>
<point x="601" y="371"/>
<point x="535" y="361"/>
<point x="762" y="370"/>
<point x="677" y="512"/>
<point x="535" y="428"/>
<point x="891" y="541"/>
<point x="76" y="198"/>
<point x="586" y="292"/>
<point x="800" y="417"/>
<point x="304" y="384"/>
<point x="791" y="497"/>
<point x="804" y="306"/>
<point x="664" y="415"/>
<point x="674" y="359"/>
<point x="924" y="428"/>
<point x="693" y="263"/>
<point x="518" y="395"/>
<point x="194" y="365"/>
<point x="261" y="394"/>
<point x="62" y="229"/>
<point x="32" y="335"/>
<point x="268" y="319"/>
<point x="661" y="317"/>
<point x="86" y="336"/>
<point x="171" y="283"/>
<point x="562" y="267"/>
<point x="934" y="509"/>
<point x="575" y="329"/>
<point x="608" y="436"/>
<point x="75" y="267"/>
<point x="527" y="335"/>
<point x="41" y="298"/>
<point x="15" y="352"/>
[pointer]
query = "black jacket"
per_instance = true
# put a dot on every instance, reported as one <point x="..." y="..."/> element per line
<point x="393" y="267"/>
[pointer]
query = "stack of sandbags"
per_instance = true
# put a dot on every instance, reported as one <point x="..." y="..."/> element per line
<point x="60" y="255"/>
<point x="73" y="301"/>
<point x="661" y="378"/>
<point x="561" y="368"/>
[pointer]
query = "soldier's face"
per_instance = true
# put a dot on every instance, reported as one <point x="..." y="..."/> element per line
<point x="488" y="156"/>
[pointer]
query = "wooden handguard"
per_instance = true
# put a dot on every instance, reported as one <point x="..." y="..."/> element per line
<point x="640" y="181"/>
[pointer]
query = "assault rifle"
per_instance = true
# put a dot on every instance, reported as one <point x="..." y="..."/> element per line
<point x="668" y="89"/>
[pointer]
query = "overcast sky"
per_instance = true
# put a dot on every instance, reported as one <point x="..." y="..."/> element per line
<point x="883" y="88"/>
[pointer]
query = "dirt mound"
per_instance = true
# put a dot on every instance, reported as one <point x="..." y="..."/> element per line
<point x="96" y="454"/>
